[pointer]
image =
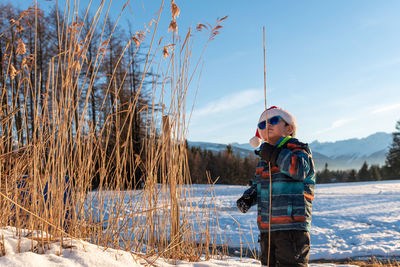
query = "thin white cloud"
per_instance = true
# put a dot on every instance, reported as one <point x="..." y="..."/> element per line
<point x="341" y="122"/>
<point x="335" y="124"/>
<point x="386" y="108"/>
<point x="235" y="101"/>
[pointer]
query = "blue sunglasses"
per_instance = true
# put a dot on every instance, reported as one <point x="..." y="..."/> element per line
<point x="272" y="121"/>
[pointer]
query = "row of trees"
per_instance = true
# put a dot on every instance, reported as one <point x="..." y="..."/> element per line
<point x="225" y="166"/>
<point x="365" y="173"/>
<point x="233" y="169"/>
<point x="98" y="77"/>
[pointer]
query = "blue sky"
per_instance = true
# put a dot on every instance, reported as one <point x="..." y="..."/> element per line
<point x="334" y="64"/>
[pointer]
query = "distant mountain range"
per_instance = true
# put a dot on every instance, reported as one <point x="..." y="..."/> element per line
<point x="339" y="155"/>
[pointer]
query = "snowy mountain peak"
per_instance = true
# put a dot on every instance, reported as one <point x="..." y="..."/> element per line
<point x="355" y="147"/>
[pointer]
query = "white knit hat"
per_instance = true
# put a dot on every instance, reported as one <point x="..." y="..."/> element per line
<point x="273" y="111"/>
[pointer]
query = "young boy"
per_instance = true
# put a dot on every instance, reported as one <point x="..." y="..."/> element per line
<point x="293" y="179"/>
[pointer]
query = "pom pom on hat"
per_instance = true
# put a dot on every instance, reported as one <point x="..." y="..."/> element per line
<point x="255" y="141"/>
<point x="273" y="111"/>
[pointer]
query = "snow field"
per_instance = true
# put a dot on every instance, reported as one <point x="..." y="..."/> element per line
<point x="349" y="220"/>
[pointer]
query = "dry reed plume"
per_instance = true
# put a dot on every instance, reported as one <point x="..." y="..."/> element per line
<point x="52" y="151"/>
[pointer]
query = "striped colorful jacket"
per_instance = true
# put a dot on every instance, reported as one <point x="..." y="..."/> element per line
<point x="293" y="183"/>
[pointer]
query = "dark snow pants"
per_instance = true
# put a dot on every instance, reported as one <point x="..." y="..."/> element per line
<point x="288" y="248"/>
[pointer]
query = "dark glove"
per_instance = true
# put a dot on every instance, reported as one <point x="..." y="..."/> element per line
<point x="270" y="153"/>
<point x="244" y="203"/>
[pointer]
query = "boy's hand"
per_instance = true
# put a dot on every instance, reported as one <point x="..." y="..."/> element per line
<point x="270" y="153"/>
<point x="244" y="203"/>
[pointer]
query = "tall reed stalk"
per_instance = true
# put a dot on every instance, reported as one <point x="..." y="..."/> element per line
<point x="47" y="171"/>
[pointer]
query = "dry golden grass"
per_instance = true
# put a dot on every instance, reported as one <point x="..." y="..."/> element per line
<point x="158" y="220"/>
<point x="375" y="263"/>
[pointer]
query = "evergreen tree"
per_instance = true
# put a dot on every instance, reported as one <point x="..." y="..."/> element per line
<point x="375" y="173"/>
<point x="352" y="176"/>
<point x="363" y="173"/>
<point x="393" y="157"/>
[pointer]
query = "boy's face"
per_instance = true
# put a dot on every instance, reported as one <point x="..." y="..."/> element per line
<point x="272" y="133"/>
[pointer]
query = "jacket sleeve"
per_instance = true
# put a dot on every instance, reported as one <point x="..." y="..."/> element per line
<point x="295" y="162"/>
<point x="252" y="194"/>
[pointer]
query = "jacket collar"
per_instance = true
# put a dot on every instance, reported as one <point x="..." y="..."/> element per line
<point x="282" y="141"/>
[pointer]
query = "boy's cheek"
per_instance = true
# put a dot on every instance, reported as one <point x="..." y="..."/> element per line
<point x="264" y="134"/>
<point x="272" y="134"/>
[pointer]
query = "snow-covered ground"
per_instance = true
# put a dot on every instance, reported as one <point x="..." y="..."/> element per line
<point x="349" y="220"/>
<point x="80" y="253"/>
